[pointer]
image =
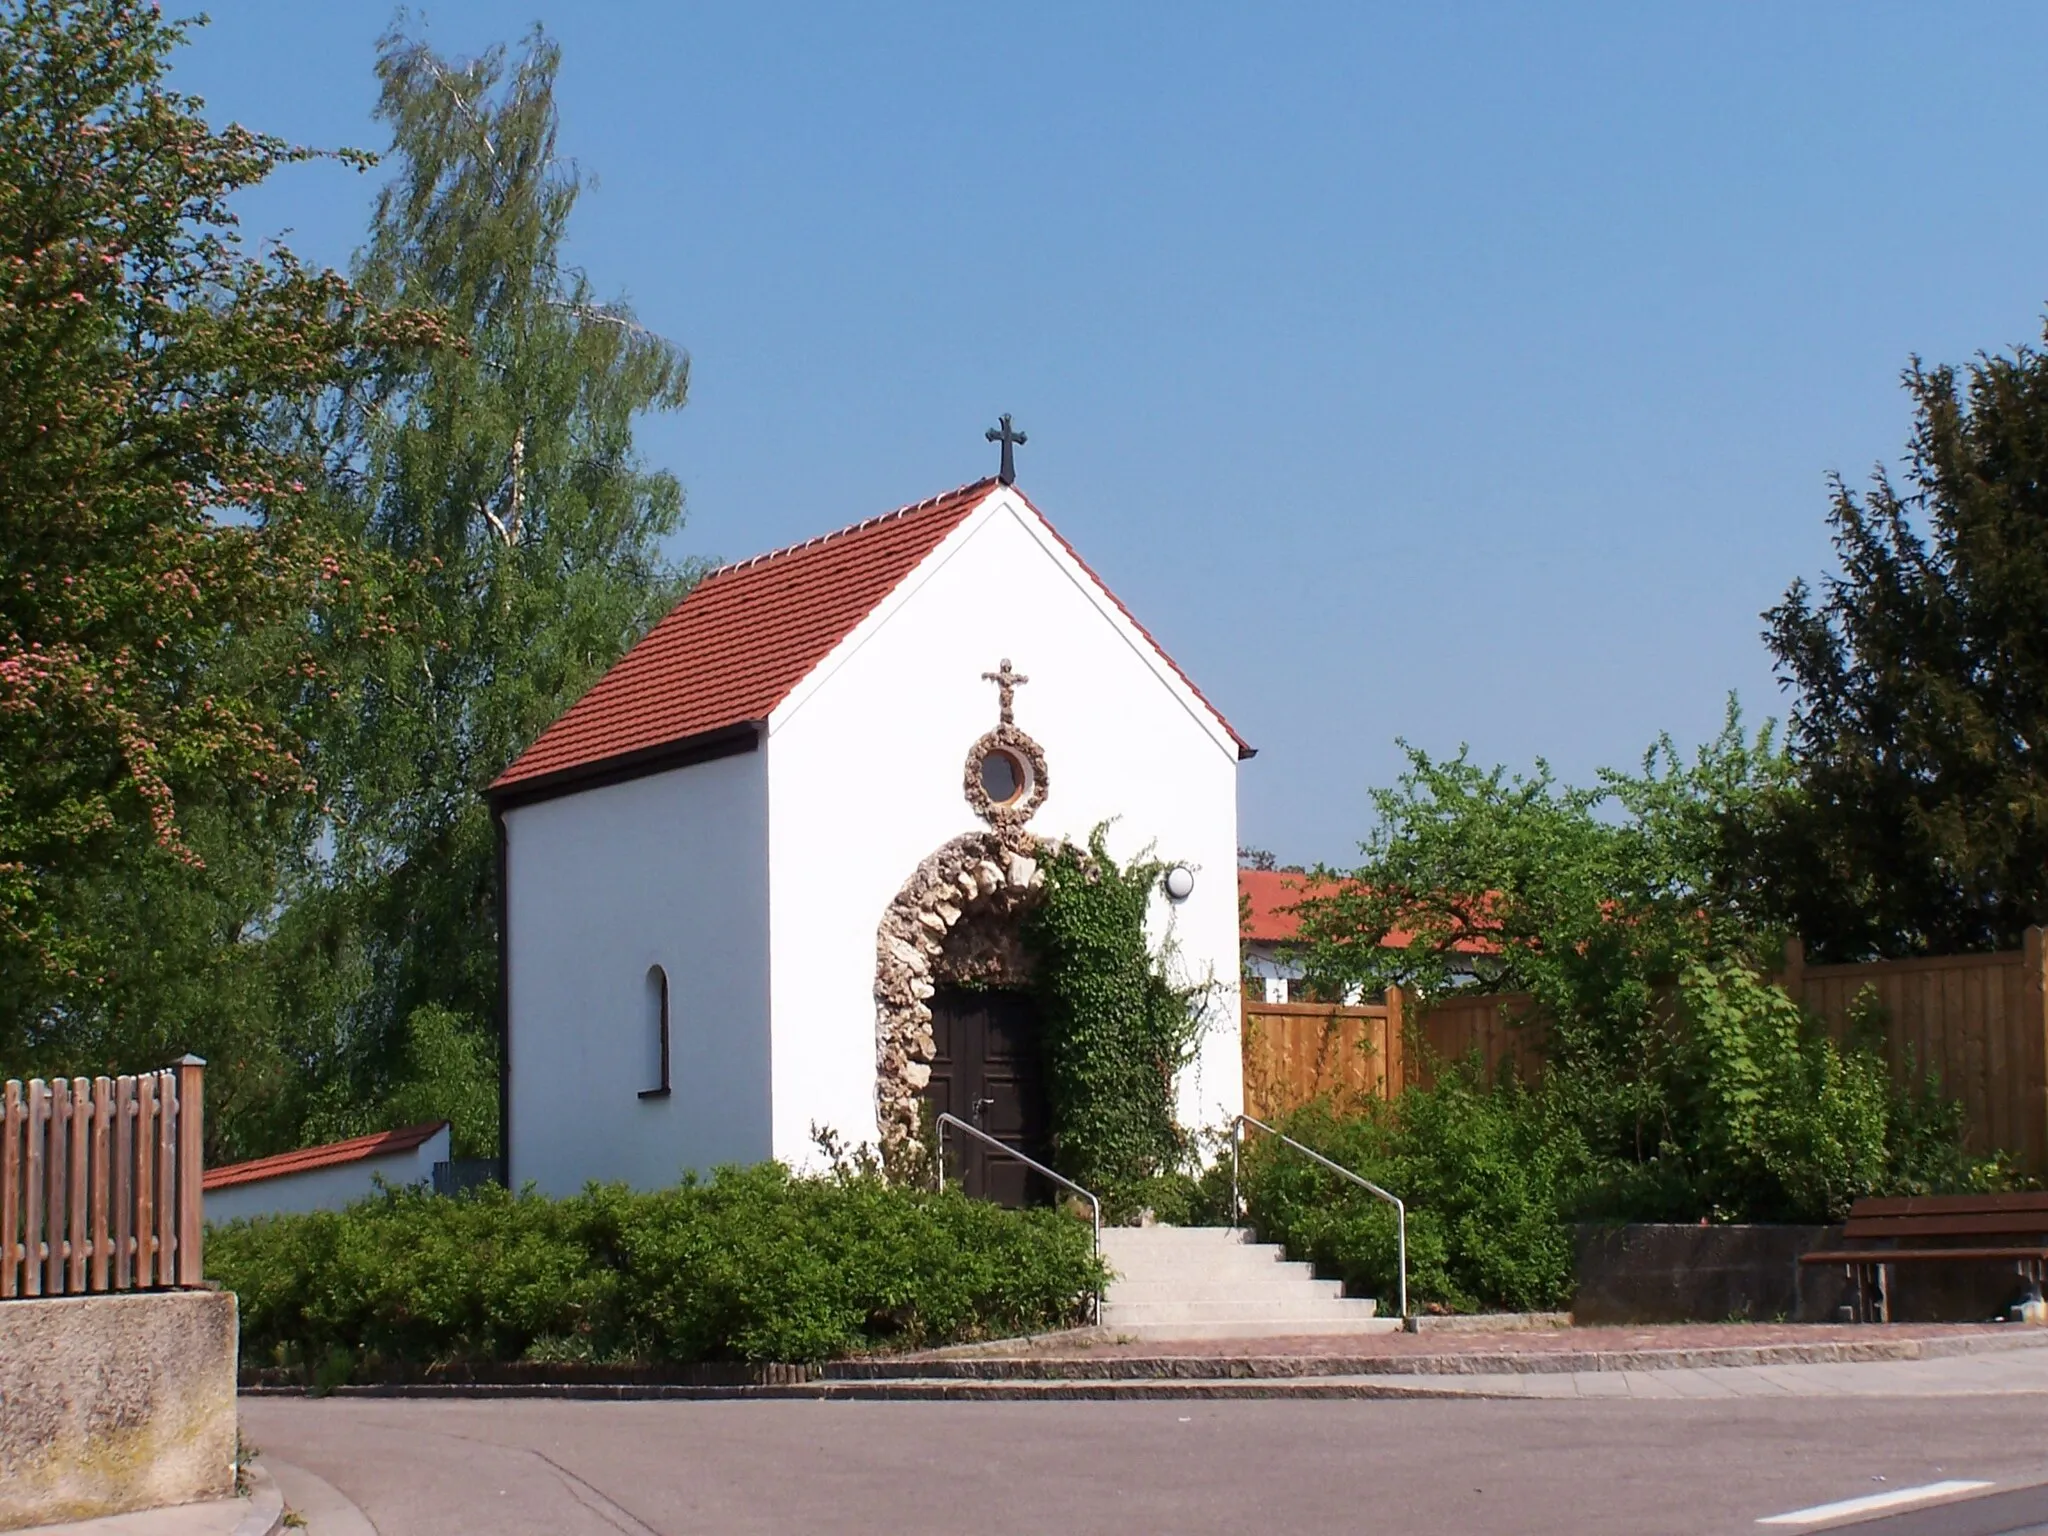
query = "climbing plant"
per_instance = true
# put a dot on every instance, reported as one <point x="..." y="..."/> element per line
<point x="1117" y="1028"/>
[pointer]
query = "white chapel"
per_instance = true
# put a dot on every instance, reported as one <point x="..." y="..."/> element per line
<point x="766" y="876"/>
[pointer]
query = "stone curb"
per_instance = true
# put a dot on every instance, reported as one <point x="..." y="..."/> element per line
<point x="1472" y="1363"/>
<point x="265" y="1514"/>
<point x="911" y="1389"/>
<point x="1197" y="1376"/>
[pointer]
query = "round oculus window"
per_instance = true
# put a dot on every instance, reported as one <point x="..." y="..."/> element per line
<point x="1005" y="777"/>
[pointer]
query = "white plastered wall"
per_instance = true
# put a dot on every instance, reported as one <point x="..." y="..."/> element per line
<point x="326" y="1189"/>
<point x="667" y="870"/>
<point x="865" y="762"/>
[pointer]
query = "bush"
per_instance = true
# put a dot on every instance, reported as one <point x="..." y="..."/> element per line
<point x="1739" y="1108"/>
<point x="1485" y="1175"/>
<point x="756" y="1264"/>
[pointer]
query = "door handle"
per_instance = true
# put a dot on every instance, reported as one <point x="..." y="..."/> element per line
<point x="979" y="1106"/>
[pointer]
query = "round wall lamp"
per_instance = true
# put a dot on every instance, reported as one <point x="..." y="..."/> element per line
<point x="1179" y="883"/>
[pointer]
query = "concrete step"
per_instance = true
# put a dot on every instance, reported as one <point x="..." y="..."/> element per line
<point x="1217" y="1282"/>
<point x="1258" y="1328"/>
<point x="1247" y="1271"/>
<point x="1208" y="1288"/>
<point x="1297" y="1308"/>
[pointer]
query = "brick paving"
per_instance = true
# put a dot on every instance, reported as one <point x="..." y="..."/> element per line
<point x="1087" y="1345"/>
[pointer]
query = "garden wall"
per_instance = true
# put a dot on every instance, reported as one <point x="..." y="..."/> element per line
<point x="1658" y="1273"/>
<point x="114" y="1403"/>
<point x="1654" y="1273"/>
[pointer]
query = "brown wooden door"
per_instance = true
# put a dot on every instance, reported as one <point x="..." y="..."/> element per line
<point x="987" y="1071"/>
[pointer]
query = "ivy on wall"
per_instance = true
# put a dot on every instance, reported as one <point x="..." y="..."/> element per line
<point x="1116" y="1029"/>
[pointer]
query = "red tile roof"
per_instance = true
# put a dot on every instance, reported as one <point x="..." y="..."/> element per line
<point x="335" y="1153"/>
<point x="746" y="635"/>
<point x="1269" y="898"/>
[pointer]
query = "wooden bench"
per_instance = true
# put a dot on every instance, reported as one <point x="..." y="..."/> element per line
<point x="1937" y="1229"/>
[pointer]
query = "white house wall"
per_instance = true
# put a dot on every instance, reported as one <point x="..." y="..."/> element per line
<point x="326" y="1189"/>
<point x="667" y="870"/>
<point x="865" y="764"/>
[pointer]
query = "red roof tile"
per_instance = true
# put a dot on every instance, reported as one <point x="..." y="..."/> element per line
<point x="335" y="1153"/>
<point x="1269" y="898"/>
<point x="746" y="635"/>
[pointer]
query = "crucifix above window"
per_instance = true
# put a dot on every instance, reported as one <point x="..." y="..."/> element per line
<point x="1005" y="781"/>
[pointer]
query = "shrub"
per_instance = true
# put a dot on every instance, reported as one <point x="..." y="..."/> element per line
<point x="1485" y="1175"/>
<point x="755" y="1264"/>
<point x="1739" y="1108"/>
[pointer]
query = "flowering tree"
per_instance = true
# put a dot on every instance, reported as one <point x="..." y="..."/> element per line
<point x="166" y="592"/>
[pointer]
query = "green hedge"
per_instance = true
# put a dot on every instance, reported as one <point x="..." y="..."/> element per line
<point x="1483" y="1173"/>
<point x="756" y="1265"/>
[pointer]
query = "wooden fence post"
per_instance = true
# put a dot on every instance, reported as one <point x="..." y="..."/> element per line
<point x="1396" y="1065"/>
<point x="1792" y="975"/>
<point x="191" y="1168"/>
<point x="124" y="1182"/>
<point x="76" y="1225"/>
<point x="102" y="1177"/>
<point x="166" y="1178"/>
<point x="32" y="1187"/>
<point x="55" y="1203"/>
<point x="10" y="1189"/>
<point x="145" y="1180"/>
<point x="2034" y="961"/>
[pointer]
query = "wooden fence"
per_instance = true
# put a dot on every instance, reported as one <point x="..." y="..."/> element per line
<point x="1979" y="1023"/>
<point x="1496" y="1026"/>
<point x="1294" y="1052"/>
<point x="100" y="1183"/>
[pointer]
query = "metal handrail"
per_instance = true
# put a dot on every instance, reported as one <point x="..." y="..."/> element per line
<point x="947" y="1118"/>
<point x="1400" y="1210"/>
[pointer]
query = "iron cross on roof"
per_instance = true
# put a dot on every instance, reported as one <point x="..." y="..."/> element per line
<point x="1007" y="682"/>
<point x="1010" y="439"/>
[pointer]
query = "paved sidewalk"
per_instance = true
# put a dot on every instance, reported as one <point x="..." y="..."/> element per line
<point x="260" y="1514"/>
<point x="2010" y="1373"/>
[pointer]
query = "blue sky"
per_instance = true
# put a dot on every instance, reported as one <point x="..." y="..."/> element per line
<point x="1468" y="374"/>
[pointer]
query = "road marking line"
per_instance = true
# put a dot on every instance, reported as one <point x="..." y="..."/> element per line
<point x="1870" y="1503"/>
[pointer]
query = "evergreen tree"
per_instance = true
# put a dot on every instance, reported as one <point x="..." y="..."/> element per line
<point x="1921" y="722"/>
<point x="501" y="477"/>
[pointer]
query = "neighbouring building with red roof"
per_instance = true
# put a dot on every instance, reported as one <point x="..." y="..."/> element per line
<point x="767" y="877"/>
<point x="1271" y="932"/>
<point x="1271" y="928"/>
<point x="325" y="1178"/>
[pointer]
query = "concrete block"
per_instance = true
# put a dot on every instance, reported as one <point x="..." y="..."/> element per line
<point x="115" y="1403"/>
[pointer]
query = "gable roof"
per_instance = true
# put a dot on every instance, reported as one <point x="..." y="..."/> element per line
<point x="746" y="635"/>
<point x="332" y="1155"/>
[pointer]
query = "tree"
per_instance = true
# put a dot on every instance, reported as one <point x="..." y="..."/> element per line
<point x="1687" y="1083"/>
<point x="1921" y="720"/>
<point x="500" y="477"/>
<point x="1589" y="898"/>
<point x="167" y="596"/>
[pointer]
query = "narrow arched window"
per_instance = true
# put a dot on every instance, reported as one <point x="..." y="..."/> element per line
<point x="656" y="1033"/>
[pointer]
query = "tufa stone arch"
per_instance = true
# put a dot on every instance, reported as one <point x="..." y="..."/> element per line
<point x="955" y="920"/>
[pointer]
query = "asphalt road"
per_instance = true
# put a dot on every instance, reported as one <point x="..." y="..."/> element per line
<point x="1269" y="1467"/>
